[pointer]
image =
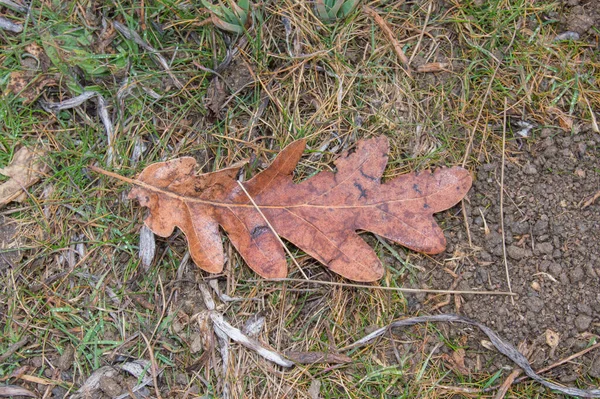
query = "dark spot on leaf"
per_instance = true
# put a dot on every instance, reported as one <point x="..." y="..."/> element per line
<point x="425" y="206"/>
<point x="258" y="230"/>
<point x="363" y="192"/>
<point x="416" y="188"/>
<point x="372" y="178"/>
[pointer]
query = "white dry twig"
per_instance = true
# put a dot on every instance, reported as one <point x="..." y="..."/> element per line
<point x="10" y="26"/>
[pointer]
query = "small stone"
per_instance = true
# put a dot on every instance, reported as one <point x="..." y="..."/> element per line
<point x="110" y="386"/>
<point x="517" y="253"/>
<point x="594" y="370"/>
<point x="577" y="274"/>
<point x="520" y="228"/>
<point x="582" y="322"/>
<point x="536" y="286"/>
<point x="544" y="248"/>
<point x="530" y="169"/>
<point x="584" y="308"/>
<point x="535" y="304"/>
<point x="541" y="227"/>
<point x="60" y="392"/>
<point x="550" y="151"/>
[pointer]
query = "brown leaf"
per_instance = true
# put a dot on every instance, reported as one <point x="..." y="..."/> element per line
<point x="24" y="170"/>
<point x="320" y="215"/>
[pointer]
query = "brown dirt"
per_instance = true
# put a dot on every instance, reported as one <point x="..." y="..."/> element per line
<point x="581" y="16"/>
<point x="553" y="261"/>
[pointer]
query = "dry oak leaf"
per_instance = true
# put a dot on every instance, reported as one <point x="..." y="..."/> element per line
<point x="320" y="215"/>
<point x="24" y="170"/>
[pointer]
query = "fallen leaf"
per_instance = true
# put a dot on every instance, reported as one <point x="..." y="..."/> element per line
<point x="457" y="361"/>
<point x="24" y="170"/>
<point x="320" y="215"/>
<point x="552" y="338"/>
<point x="10" y="241"/>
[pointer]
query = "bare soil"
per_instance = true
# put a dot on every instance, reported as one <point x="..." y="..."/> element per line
<point x="551" y="248"/>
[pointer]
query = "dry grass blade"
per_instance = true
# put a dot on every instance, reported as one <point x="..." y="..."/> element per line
<point x="391" y="37"/>
<point x="501" y="345"/>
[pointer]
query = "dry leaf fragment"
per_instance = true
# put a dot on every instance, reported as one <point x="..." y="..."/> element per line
<point x="24" y="170"/>
<point x="432" y="67"/>
<point x="320" y="215"/>
<point x="552" y="338"/>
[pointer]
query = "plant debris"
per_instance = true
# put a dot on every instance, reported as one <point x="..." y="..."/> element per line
<point x="25" y="170"/>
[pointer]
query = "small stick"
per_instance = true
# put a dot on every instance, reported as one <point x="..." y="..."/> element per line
<point x="375" y="287"/>
<point x="10" y="26"/>
<point x="502" y="200"/>
<point x="272" y="229"/>
<point x="153" y="367"/>
<point x="13" y="348"/>
<point x="553" y="365"/>
<point x="390" y="35"/>
<point x="13" y="6"/>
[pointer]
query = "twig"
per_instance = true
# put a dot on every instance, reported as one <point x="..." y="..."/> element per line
<point x="502" y="346"/>
<point x="10" y="26"/>
<point x="108" y="127"/>
<point x="552" y="366"/>
<point x="160" y="60"/>
<point x="68" y="104"/>
<point x="376" y="287"/>
<point x="13" y="6"/>
<point x="13" y="348"/>
<point x="502" y="200"/>
<point x="273" y="230"/>
<point x="391" y="37"/>
<point x="250" y="343"/>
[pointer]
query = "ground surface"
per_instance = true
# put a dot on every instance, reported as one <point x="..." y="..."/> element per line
<point x="82" y="315"/>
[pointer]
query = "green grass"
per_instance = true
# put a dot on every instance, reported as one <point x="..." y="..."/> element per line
<point x="339" y="81"/>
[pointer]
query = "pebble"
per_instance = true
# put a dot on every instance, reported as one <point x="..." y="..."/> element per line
<point x="582" y="322"/>
<point x="584" y="308"/>
<point x="555" y="269"/>
<point x="530" y="169"/>
<point x="577" y="274"/>
<point x="594" y="370"/>
<point x="110" y="387"/>
<point x="535" y="304"/>
<point x="544" y="248"/>
<point x="541" y="226"/>
<point x="517" y="253"/>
